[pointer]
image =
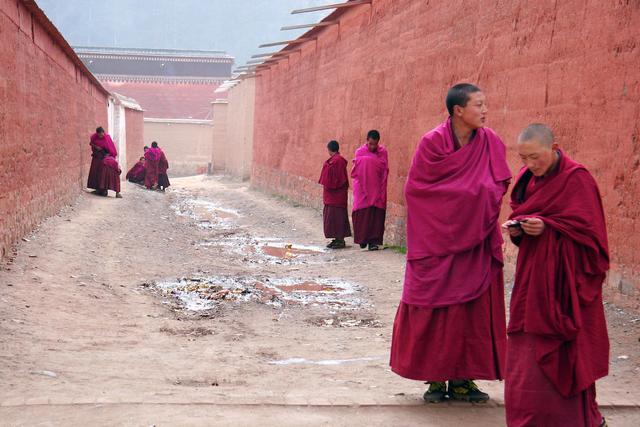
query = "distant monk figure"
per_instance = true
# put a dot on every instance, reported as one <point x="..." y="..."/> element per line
<point x="558" y="344"/>
<point x="103" y="153"/>
<point x="450" y="324"/>
<point x="335" y="194"/>
<point x="370" y="172"/>
<point x="137" y="172"/>
<point x="152" y="160"/>
<point x="163" y="165"/>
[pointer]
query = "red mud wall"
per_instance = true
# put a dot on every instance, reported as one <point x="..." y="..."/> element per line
<point x="134" y="123"/>
<point x="48" y="110"/>
<point x="574" y="65"/>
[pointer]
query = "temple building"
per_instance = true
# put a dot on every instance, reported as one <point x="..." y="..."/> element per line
<point x="175" y="89"/>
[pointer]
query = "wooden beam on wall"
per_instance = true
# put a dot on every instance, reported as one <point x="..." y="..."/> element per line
<point x="317" y="24"/>
<point x="331" y="6"/>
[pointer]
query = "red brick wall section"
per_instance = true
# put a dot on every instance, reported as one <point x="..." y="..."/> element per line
<point x="571" y="64"/>
<point x="135" y="138"/>
<point x="48" y="110"/>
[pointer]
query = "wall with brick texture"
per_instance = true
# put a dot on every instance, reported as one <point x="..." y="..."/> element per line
<point x="572" y="64"/>
<point x="49" y="107"/>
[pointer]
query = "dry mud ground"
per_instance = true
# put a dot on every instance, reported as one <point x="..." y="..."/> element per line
<point x="95" y="330"/>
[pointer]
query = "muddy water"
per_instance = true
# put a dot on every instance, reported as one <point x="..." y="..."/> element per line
<point x="199" y="294"/>
<point x="205" y="293"/>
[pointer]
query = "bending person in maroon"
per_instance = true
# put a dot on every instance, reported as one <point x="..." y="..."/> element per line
<point x="370" y="173"/>
<point x="104" y="173"/>
<point x="335" y="194"/>
<point x="450" y="324"/>
<point x="557" y="336"/>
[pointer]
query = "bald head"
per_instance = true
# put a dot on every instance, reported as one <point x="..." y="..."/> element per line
<point x="539" y="132"/>
<point x="537" y="148"/>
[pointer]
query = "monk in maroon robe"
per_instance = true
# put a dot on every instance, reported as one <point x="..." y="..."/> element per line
<point x="163" y="166"/>
<point x="335" y="195"/>
<point x="557" y="336"/>
<point x="370" y="173"/>
<point x="104" y="173"/>
<point x="450" y="324"/>
<point x="137" y="172"/>
<point x="152" y="160"/>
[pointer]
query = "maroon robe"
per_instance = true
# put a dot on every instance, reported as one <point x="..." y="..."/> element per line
<point x="152" y="160"/>
<point x="335" y="195"/>
<point x="450" y="324"/>
<point x="370" y="174"/>
<point x="558" y="344"/>
<point x="136" y="173"/>
<point x="103" y="153"/>
<point x="163" y="166"/>
<point x="110" y="174"/>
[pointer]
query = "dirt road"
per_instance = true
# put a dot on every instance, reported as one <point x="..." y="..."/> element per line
<point x="213" y="304"/>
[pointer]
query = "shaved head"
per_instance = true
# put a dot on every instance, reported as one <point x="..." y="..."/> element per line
<point x="538" y="131"/>
<point x="537" y="149"/>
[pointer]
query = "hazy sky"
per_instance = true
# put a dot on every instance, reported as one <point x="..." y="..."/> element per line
<point x="235" y="26"/>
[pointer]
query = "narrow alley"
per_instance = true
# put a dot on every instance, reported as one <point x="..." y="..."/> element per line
<point x="173" y="309"/>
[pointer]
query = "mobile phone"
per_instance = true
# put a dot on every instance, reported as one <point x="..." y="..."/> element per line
<point x="514" y="224"/>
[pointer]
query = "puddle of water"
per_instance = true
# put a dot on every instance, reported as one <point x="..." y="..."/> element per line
<point x="331" y="293"/>
<point x="198" y="294"/>
<point x="301" y="361"/>
<point x="208" y="214"/>
<point x="287" y="251"/>
<point x="265" y="250"/>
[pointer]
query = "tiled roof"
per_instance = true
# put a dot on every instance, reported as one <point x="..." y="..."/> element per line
<point x="169" y="101"/>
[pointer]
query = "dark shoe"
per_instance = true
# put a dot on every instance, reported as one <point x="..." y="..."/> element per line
<point x="339" y="244"/>
<point x="330" y="245"/>
<point x="467" y="391"/>
<point x="118" y="196"/>
<point x="373" y="247"/>
<point x="436" y="393"/>
<point x="603" y="423"/>
<point x="363" y="245"/>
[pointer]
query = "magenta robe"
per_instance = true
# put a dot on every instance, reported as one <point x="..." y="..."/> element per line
<point x="370" y="174"/>
<point x="451" y="323"/>
<point x="152" y="160"/>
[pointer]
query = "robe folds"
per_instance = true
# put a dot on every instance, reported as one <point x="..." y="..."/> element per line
<point x="136" y="173"/>
<point x="451" y="320"/>
<point x="556" y="306"/>
<point x="335" y="194"/>
<point x="100" y="147"/>
<point x="163" y="166"/>
<point x="370" y="174"/>
<point x="152" y="159"/>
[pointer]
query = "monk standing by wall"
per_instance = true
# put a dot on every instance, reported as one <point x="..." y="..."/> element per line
<point x="450" y="325"/>
<point x="558" y="344"/>
<point x="370" y="172"/>
<point x="335" y="195"/>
